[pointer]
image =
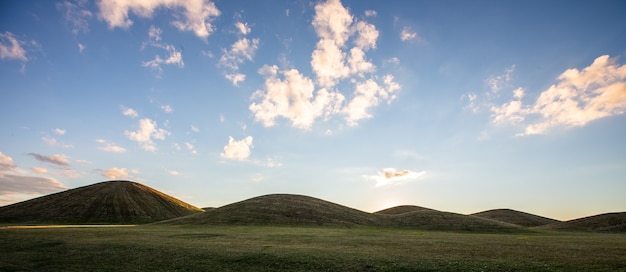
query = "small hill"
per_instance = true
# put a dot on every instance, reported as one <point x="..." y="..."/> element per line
<point x="111" y="202"/>
<point x="516" y="217"/>
<point x="445" y="221"/>
<point x="280" y="209"/>
<point x="613" y="222"/>
<point x="402" y="209"/>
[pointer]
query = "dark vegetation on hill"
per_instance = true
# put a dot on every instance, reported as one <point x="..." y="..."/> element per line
<point x="112" y="202"/>
<point x="613" y="222"/>
<point x="403" y="209"/>
<point x="516" y="217"/>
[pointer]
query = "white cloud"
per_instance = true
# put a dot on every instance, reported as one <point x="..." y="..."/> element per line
<point x="81" y="47"/>
<point x="371" y="13"/>
<point x="11" y="48"/>
<point x="175" y="56"/>
<point x="332" y="21"/>
<point x="146" y="133"/>
<point x="76" y="15"/>
<point x="367" y="35"/>
<point x="6" y="163"/>
<point x="110" y="147"/>
<point x="237" y="150"/>
<point x="191" y="147"/>
<point x="195" y="129"/>
<point x="167" y="108"/>
<point x="292" y="98"/>
<point x="243" y="28"/>
<point x="49" y="140"/>
<point x="57" y="159"/>
<point x="328" y="63"/>
<point x="497" y="83"/>
<point x="115" y="173"/>
<point x="235" y="78"/>
<point x="59" y="131"/>
<point x="191" y="15"/>
<point x="129" y="112"/>
<point x="392" y="176"/>
<point x="173" y="173"/>
<point x="242" y="50"/>
<point x="39" y="170"/>
<point x="369" y="94"/>
<point x="579" y="97"/>
<point x="407" y="34"/>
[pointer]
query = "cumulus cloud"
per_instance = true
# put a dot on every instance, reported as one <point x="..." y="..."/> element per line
<point x="146" y="133"/>
<point x="332" y="21"/>
<point x="11" y="47"/>
<point x="59" y="131"/>
<point x="243" y="28"/>
<point x="579" y="97"/>
<point x="76" y="14"/>
<point x="129" y="112"/>
<point x="190" y="15"/>
<point x="115" y="173"/>
<point x="242" y="50"/>
<point x="174" y="56"/>
<point x="13" y="181"/>
<point x="392" y="176"/>
<point x="369" y="94"/>
<point x="407" y="34"/>
<point x="237" y="150"/>
<point x="57" y="159"/>
<point x="110" y="147"/>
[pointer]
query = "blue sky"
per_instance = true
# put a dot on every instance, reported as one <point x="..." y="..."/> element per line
<point x="459" y="106"/>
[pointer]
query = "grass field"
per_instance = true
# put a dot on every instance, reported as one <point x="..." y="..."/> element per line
<point x="254" y="248"/>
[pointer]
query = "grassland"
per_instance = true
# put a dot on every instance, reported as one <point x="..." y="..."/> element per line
<point x="268" y="248"/>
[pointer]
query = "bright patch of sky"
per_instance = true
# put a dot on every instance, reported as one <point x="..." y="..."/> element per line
<point x="460" y="107"/>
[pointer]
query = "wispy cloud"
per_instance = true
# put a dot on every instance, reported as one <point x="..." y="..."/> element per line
<point x="57" y="159"/>
<point x="129" y="112"/>
<point x="11" y="47"/>
<point x="76" y="14"/>
<point x="116" y="173"/>
<point x="242" y="50"/>
<point x="391" y="176"/>
<point x="146" y="133"/>
<point x="174" y="56"/>
<point x="110" y="147"/>
<point x="407" y="34"/>
<point x="167" y="108"/>
<point x="237" y="150"/>
<point x="190" y="15"/>
<point x="15" y="181"/>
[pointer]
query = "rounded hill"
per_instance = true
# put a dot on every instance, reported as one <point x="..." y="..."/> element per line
<point x="110" y="202"/>
<point x="516" y="217"/>
<point x="403" y="209"/>
<point x="613" y="222"/>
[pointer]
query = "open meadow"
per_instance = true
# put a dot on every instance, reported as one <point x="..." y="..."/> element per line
<point x="271" y="248"/>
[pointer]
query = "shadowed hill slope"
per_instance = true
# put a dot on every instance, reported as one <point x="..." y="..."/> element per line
<point x="516" y="217"/>
<point x="614" y="222"/>
<point x="111" y="202"/>
<point x="280" y="209"/>
<point x="402" y="209"/>
<point x="438" y="220"/>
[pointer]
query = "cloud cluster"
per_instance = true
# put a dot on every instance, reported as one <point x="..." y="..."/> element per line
<point x="242" y="50"/>
<point x="579" y="97"/>
<point x="76" y="15"/>
<point x="237" y="150"/>
<point x="14" y="181"/>
<point x="57" y="159"/>
<point x="174" y="56"/>
<point x="190" y="15"/>
<point x="339" y="57"/>
<point x="11" y="47"/>
<point x="407" y="34"/>
<point x="392" y="176"/>
<point x="146" y="133"/>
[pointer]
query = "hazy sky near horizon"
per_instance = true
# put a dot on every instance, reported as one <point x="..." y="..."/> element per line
<point x="460" y="106"/>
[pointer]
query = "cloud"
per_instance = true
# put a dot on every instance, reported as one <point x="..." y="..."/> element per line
<point x="496" y="83"/>
<point x="195" y="129"/>
<point x="167" y="108"/>
<point x="191" y="148"/>
<point x="242" y="50"/>
<point x="129" y="112"/>
<point x="292" y="98"/>
<point x="13" y="181"/>
<point x="237" y="150"/>
<point x="115" y="173"/>
<point x="579" y="97"/>
<point x="332" y="22"/>
<point x="173" y="173"/>
<point x="371" y="13"/>
<point x="175" y="56"/>
<point x="39" y="170"/>
<point x="243" y="28"/>
<point x="191" y="15"/>
<point x="59" y="131"/>
<point x="76" y="15"/>
<point x="369" y="94"/>
<point x="57" y="159"/>
<point x="11" y="48"/>
<point x="392" y="176"/>
<point x="81" y="47"/>
<point x="146" y="133"/>
<point x="110" y="147"/>
<point x="407" y="34"/>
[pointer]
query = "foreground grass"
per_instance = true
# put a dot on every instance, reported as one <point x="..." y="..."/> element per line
<point x="250" y="248"/>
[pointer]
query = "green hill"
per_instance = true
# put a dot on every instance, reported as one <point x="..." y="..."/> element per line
<point x="438" y="220"/>
<point x="111" y="202"/>
<point x="614" y="222"/>
<point x="402" y="209"/>
<point x="516" y="217"/>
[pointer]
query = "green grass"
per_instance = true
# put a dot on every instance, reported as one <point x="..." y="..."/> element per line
<point x="255" y="248"/>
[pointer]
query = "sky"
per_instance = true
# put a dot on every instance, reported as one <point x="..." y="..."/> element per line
<point x="459" y="106"/>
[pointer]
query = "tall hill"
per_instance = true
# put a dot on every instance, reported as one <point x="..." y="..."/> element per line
<point x="615" y="222"/>
<point x="516" y="217"/>
<point x="111" y="202"/>
<point x="280" y="209"/>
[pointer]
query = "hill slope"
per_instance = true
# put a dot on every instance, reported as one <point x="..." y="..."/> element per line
<point x="601" y="222"/>
<point x="516" y="217"/>
<point x="111" y="202"/>
<point x="402" y="209"/>
<point x="280" y="209"/>
<point x="438" y="220"/>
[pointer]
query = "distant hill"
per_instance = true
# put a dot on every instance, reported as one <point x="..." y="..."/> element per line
<point x="402" y="209"/>
<point x="438" y="220"/>
<point x="603" y="222"/>
<point x="111" y="202"/>
<point x="280" y="209"/>
<point x="516" y="217"/>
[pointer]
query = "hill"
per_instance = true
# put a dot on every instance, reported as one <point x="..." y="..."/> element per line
<point x="516" y="217"/>
<point x="438" y="220"/>
<point x="280" y="209"/>
<point x="615" y="222"/>
<point x="402" y="209"/>
<point x="111" y="202"/>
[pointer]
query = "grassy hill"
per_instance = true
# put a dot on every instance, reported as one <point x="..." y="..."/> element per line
<point x="402" y="209"/>
<point x="111" y="202"/>
<point x="614" y="222"/>
<point x="516" y="217"/>
<point x="438" y="220"/>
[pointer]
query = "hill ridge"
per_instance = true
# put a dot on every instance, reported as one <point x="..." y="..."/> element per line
<point x="516" y="217"/>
